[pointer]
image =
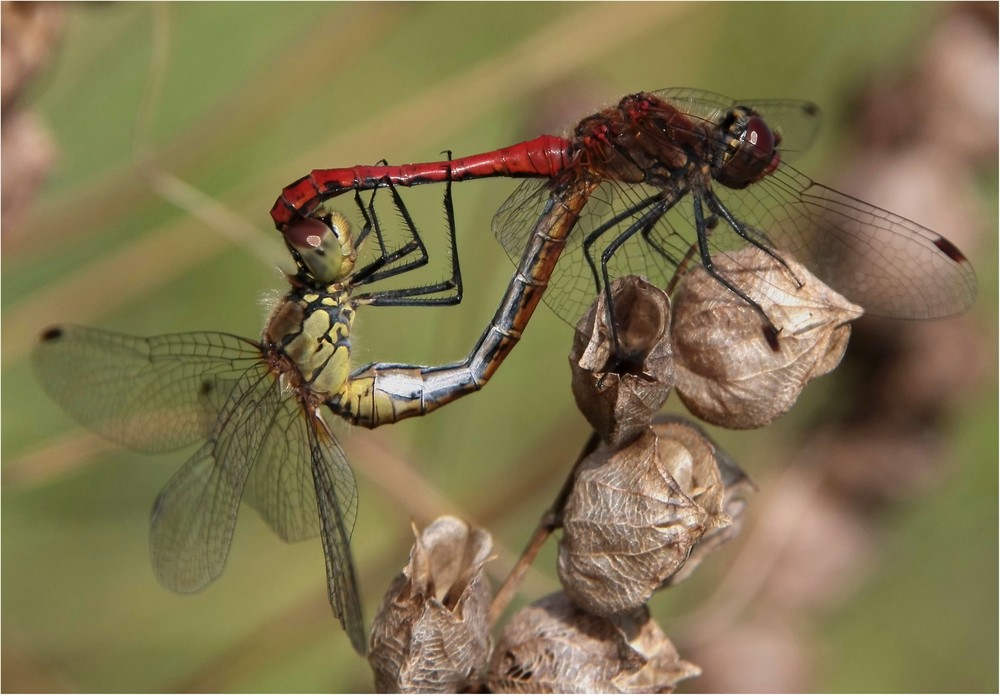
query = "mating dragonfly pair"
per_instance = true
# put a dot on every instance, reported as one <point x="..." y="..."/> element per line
<point x="608" y="199"/>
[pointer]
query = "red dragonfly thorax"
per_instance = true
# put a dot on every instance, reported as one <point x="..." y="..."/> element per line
<point x="641" y="140"/>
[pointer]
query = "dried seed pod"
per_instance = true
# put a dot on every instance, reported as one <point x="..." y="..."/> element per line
<point x="431" y="633"/>
<point x="736" y="485"/>
<point x="620" y="385"/>
<point x="553" y="646"/>
<point x="32" y="33"/>
<point x="732" y="370"/>
<point x="633" y="517"/>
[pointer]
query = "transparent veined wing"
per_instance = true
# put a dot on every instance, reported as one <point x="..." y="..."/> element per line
<point x="161" y="393"/>
<point x="194" y="516"/>
<point x="149" y="394"/>
<point x="336" y="498"/>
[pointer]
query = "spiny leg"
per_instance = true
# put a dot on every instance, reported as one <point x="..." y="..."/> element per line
<point x="382" y="267"/>
<point x="600" y="231"/>
<point x="661" y="203"/>
<point x="421" y="295"/>
<point x="770" y="330"/>
<point x="641" y="226"/>
<point x="750" y="236"/>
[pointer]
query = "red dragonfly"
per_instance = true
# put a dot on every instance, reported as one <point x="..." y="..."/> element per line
<point x="613" y="195"/>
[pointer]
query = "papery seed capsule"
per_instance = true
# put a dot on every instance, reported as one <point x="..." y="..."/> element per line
<point x="622" y="375"/>
<point x="634" y="516"/>
<point x="552" y="646"/>
<point x="736" y="485"/>
<point x="733" y="369"/>
<point x="431" y="633"/>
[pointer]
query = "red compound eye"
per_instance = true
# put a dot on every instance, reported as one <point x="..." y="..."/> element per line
<point x="759" y="135"/>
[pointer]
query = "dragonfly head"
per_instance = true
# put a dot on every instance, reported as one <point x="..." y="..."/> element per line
<point x="323" y="247"/>
<point x="751" y="151"/>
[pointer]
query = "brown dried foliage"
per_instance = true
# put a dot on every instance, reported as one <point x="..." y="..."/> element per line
<point x="634" y="516"/>
<point x="553" y="646"/>
<point x="620" y="386"/>
<point x="728" y="372"/>
<point x="431" y="633"/>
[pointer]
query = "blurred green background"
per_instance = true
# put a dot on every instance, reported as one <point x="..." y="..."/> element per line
<point x="238" y="100"/>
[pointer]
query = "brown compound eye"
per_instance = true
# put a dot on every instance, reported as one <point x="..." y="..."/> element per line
<point x="306" y="233"/>
<point x="325" y="248"/>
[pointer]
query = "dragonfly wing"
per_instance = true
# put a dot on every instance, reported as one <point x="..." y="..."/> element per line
<point x="889" y="265"/>
<point x="194" y="516"/>
<point x="612" y="211"/>
<point x="337" y="501"/>
<point x="515" y="221"/>
<point x="797" y="121"/>
<point x="281" y="486"/>
<point x="302" y="485"/>
<point x="149" y="394"/>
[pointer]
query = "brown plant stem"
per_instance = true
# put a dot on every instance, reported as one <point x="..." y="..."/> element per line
<point x="549" y="522"/>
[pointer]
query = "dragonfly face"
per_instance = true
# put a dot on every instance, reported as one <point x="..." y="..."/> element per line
<point x="751" y="152"/>
<point x="323" y="248"/>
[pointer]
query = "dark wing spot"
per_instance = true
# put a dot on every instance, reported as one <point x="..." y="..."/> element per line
<point x="949" y="249"/>
<point x="50" y="334"/>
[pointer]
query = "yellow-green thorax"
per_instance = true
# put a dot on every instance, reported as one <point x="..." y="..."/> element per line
<point x="308" y="338"/>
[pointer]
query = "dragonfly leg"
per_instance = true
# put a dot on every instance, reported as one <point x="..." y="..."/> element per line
<point x="754" y="237"/>
<point x="371" y="220"/>
<point x="770" y="330"/>
<point x="658" y="205"/>
<point x="642" y="225"/>
<point x="658" y="248"/>
<point x="600" y="231"/>
<point x="383" y="393"/>
<point x="424" y="295"/>
<point x="385" y="265"/>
